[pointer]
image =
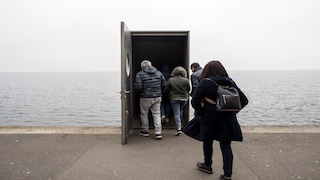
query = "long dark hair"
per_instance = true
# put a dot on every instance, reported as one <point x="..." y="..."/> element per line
<point x="213" y="68"/>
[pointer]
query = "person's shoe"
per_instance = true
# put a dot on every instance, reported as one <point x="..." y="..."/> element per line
<point x="204" y="168"/>
<point x="144" y="133"/>
<point x="225" y="177"/>
<point x="158" y="136"/>
<point x="178" y="133"/>
<point x="163" y="118"/>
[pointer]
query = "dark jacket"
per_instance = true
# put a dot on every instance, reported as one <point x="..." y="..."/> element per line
<point x="149" y="82"/>
<point x="195" y="79"/>
<point x="221" y="126"/>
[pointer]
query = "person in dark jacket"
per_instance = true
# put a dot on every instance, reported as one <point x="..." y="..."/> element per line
<point x="215" y="125"/>
<point x="149" y="84"/>
<point x="165" y="103"/>
<point x="195" y="76"/>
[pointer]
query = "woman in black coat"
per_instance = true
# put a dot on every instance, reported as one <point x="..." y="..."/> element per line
<point x="216" y="125"/>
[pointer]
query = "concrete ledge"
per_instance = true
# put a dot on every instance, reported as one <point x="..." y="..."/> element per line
<point x="58" y="130"/>
<point x="281" y="129"/>
<point x="117" y="130"/>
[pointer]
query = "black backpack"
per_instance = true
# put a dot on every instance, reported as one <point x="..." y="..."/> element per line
<point x="228" y="98"/>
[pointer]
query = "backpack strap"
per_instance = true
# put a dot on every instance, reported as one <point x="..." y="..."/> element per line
<point x="209" y="100"/>
<point x="217" y="83"/>
<point x="213" y="81"/>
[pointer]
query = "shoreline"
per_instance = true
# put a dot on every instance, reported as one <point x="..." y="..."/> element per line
<point x="117" y="129"/>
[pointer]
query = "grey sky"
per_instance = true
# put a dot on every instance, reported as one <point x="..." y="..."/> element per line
<point x="78" y="35"/>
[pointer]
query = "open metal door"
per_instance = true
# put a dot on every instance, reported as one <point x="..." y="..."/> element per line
<point x="126" y="79"/>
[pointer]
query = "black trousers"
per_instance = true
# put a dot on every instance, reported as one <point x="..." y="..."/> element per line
<point x="227" y="155"/>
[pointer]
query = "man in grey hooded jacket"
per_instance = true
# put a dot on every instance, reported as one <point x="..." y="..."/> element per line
<point x="149" y="84"/>
<point x="195" y="76"/>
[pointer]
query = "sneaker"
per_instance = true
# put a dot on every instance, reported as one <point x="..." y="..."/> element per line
<point x="163" y="118"/>
<point x="225" y="177"/>
<point x="204" y="168"/>
<point x="158" y="136"/>
<point x="144" y="133"/>
<point x="178" y="133"/>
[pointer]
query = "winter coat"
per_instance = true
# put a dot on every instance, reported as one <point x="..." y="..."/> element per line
<point x="149" y="82"/>
<point x="215" y="125"/>
<point x="178" y="85"/>
<point x="195" y="79"/>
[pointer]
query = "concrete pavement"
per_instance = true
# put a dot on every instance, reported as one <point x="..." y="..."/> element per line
<point x="97" y="153"/>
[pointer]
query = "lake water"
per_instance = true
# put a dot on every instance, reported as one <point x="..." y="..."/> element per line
<point x="93" y="98"/>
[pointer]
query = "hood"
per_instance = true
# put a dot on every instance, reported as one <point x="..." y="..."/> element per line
<point x="149" y="69"/>
<point x="179" y="71"/>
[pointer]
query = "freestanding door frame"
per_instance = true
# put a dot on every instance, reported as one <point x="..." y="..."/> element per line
<point x="161" y="48"/>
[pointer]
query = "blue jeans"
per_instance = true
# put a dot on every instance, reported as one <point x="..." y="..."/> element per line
<point x="177" y="107"/>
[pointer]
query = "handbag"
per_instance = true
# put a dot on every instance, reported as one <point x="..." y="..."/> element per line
<point x="228" y="98"/>
<point x="192" y="128"/>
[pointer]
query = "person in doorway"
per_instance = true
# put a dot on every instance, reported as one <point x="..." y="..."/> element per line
<point x="216" y="125"/>
<point x="165" y="103"/>
<point x="178" y="88"/>
<point x="195" y="76"/>
<point x="149" y="84"/>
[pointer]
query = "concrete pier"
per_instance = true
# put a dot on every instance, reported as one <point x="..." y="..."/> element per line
<point x="56" y="153"/>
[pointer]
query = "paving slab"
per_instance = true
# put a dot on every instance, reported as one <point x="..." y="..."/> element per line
<point x="284" y="155"/>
